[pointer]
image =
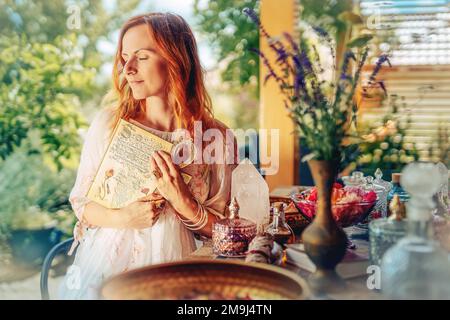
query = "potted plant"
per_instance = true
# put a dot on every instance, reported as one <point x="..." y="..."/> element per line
<point x="32" y="233"/>
<point x="324" y="111"/>
<point x="33" y="206"/>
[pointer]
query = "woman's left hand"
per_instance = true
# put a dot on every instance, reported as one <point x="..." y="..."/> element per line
<point x="169" y="180"/>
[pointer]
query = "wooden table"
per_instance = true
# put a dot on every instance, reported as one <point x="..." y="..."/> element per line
<point x="355" y="288"/>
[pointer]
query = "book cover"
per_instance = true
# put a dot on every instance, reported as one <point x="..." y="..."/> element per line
<point x="124" y="174"/>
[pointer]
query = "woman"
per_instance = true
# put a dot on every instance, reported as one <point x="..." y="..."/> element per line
<point x="159" y="86"/>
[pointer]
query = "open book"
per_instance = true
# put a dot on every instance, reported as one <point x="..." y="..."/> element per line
<point x="124" y="174"/>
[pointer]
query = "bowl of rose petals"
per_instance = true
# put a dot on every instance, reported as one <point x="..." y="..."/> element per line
<point x="349" y="205"/>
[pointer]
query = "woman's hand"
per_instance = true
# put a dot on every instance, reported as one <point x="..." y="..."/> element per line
<point x="144" y="212"/>
<point x="169" y="180"/>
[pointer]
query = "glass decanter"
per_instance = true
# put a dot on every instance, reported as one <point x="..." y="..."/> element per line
<point x="417" y="267"/>
<point x="279" y="229"/>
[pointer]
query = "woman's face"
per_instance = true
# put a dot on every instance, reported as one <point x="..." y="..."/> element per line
<point x="145" y="70"/>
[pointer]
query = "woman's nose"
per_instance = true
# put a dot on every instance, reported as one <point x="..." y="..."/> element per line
<point x="130" y="66"/>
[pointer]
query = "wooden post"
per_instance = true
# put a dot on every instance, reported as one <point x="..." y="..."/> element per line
<point x="277" y="16"/>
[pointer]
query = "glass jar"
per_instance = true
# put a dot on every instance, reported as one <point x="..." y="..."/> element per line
<point x="231" y="236"/>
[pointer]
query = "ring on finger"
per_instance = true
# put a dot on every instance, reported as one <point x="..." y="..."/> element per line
<point x="157" y="174"/>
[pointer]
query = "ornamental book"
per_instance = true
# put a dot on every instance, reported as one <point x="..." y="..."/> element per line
<point x="124" y="174"/>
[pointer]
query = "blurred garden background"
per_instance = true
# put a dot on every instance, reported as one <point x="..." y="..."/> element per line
<point x="55" y="65"/>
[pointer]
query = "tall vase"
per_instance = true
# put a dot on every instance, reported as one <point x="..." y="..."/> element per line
<point x="325" y="242"/>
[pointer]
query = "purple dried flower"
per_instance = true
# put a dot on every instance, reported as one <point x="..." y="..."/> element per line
<point x="266" y="62"/>
<point x="282" y="55"/>
<point x="324" y="35"/>
<point x="252" y="14"/>
<point x="276" y="45"/>
<point x="291" y="42"/>
<point x="381" y="59"/>
<point x="305" y="62"/>
<point x="383" y="87"/>
<point x="321" y="32"/>
<point x="348" y="55"/>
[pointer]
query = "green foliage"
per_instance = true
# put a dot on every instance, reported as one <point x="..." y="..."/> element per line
<point x="384" y="144"/>
<point x="332" y="15"/>
<point x="33" y="193"/>
<point x="439" y="149"/>
<point x="40" y="84"/>
<point x="44" y="21"/>
<point x="232" y="35"/>
<point x="47" y="75"/>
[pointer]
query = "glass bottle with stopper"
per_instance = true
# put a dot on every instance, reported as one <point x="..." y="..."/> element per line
<point x="397" y="189"/>
<point x="231" y="236"/>
<point x="279" y="229"/>
<point x="417" y="267"/>
<point x="386" y="232"/>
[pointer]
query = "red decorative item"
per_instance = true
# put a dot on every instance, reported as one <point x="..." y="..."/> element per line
<point x="349" y="205"/>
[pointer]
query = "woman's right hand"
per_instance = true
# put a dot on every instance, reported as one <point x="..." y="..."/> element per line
<point x="144" y="212"/>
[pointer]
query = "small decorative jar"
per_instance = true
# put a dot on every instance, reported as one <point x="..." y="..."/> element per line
<point x="231" y="236"/>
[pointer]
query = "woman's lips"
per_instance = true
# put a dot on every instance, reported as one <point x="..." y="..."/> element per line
<point x="137" y="81"/>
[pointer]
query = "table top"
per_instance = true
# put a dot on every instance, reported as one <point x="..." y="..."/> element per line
<point x="355" y="288"/>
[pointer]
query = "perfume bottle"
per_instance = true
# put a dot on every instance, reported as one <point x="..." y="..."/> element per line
<point x="279" y="229"/>
<point x="397" y="189"/>
<point x="417" y="267"/>
<point x="231" y="236"/>
<point x="386" y="232"/>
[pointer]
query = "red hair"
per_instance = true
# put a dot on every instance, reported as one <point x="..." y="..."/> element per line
<point x="176" y="43"/>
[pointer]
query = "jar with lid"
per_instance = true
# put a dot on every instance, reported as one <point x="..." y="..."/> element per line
<point x="231" y="236"/>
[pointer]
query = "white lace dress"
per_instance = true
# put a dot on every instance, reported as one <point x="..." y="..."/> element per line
<point x="103" y="252"/>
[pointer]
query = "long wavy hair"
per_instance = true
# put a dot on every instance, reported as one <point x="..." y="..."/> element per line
<point x="186" y="92"/>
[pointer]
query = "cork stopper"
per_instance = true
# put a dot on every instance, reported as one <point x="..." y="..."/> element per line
<point x="397" y="209"/>
<point x="234" y="209"/>
<point x="396" y="177"/>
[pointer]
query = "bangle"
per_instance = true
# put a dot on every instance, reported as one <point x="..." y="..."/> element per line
<point x="188" y="221"/>
<point x="202" y="221"/>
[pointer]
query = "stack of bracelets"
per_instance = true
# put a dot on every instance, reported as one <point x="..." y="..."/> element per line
<point x="201" y="217"/>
